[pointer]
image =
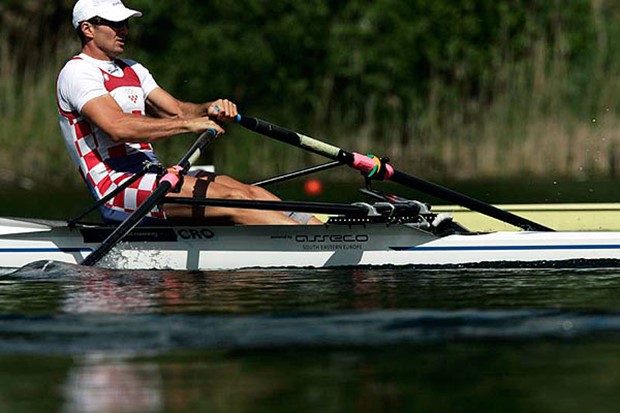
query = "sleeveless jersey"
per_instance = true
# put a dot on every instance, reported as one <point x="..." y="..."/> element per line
<point x="103" y="163"/>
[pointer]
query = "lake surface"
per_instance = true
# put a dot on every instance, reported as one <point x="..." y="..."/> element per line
<point x="399" y="340"/>
<point x="76" y="339"/>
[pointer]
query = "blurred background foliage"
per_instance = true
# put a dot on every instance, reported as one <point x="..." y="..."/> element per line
<point x="449" y="88"/>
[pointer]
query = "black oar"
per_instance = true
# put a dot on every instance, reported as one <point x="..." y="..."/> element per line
<point x="366" y="165"/>
<point x="166" y="184"/>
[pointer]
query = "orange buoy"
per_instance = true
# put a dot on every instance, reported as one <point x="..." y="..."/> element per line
<point x="313" y="187"/>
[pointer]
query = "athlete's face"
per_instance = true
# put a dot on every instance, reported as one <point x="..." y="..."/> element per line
<point x="109" y="37"/>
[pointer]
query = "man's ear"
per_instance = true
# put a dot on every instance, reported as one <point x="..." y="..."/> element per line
<point x="87" y="30"/>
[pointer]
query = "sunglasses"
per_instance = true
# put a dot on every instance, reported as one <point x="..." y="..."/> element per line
<point x="98" y="21"/>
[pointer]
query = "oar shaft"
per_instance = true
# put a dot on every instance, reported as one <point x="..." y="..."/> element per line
<point x="353" y="159"/>
<point x="195" y="151"/>
<point x="364" y="164"/>
<point x="292" y="138"/>
<point x="166" y="184"/>
<point x="465" y="201"/>
<point x="129" y="224"/>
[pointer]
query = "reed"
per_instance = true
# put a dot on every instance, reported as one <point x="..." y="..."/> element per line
<point x="32" y="150"/>
<point x="548" y="114"/>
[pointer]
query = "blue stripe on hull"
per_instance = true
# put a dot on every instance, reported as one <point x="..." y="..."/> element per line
<point x="415" y="249"/>
<point x="30" y="250"/>
<point x="509" y="248"/>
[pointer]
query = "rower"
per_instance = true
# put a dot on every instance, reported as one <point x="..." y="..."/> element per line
<point x="102" y="104"/>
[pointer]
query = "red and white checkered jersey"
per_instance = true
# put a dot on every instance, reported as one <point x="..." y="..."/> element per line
<point x="106" y="164"/>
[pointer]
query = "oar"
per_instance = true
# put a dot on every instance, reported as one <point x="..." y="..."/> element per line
<point x="166" y="184"/>
<point x="367" y="165"/>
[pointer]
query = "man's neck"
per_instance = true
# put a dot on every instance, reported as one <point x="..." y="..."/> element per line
<point x="97" y="54"/>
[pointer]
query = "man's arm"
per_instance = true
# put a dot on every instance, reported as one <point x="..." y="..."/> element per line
<point x="162" y="104"/>
<point x="124" y="127"/>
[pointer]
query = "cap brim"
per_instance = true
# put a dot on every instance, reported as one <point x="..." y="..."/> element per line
<point x="119" y="15"/>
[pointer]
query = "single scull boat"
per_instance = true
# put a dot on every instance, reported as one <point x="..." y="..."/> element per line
<point x="350" y="242"/>
<point x="391" y="232"/>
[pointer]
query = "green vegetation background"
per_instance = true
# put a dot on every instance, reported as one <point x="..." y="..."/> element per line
<point x="446" y="88"/>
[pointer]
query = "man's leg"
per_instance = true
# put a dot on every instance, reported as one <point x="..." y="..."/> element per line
<point x="226" y="188"/>
<point x="259" y="193"/>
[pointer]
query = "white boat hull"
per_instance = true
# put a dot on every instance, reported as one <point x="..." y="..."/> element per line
<point x="221" y="247"/>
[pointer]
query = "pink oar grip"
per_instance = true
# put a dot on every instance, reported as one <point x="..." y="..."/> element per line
<point x="365" y="164"/>
<point x="171" y="177"/>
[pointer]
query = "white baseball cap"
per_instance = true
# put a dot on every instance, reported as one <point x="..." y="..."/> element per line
<point x="112" y="10"/>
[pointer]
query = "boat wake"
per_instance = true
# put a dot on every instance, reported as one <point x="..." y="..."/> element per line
<point x="50" y="270"/>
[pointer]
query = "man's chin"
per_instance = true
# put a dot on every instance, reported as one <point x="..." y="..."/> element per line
<point x="119" y="50"/>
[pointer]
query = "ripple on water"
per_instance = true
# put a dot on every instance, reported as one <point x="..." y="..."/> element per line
<point x="61" y="308"/>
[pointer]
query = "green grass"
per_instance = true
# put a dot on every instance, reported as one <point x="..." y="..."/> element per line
<point x="543" y="120"/>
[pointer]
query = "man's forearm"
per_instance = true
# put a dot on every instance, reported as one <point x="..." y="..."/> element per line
<point x="193" y="110"/>
<point x="135" y="129"/>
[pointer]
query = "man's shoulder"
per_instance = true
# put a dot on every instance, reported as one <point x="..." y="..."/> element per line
<point x="75" y="61"/>
<point x="128" y="62"/>
<point x="132" y="63"/>
<point x="77" y="64"/>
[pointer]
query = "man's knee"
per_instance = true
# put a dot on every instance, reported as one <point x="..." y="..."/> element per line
<point x="240" y="193"/>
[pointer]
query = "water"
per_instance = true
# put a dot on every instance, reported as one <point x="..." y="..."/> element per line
<point x="76" y="339"/>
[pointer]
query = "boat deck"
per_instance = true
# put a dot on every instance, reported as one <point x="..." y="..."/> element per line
<point x="561" y="217"/>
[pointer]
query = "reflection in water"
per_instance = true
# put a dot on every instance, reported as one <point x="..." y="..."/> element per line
<point x="103" y="383"/>
<point x="257" y="291"/>
<point x="480" y="377"/>
<point x="108" y="295"/>
<point x="84" y="291"/>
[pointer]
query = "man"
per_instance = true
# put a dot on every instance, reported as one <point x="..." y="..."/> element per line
<point x="103" y="102"/>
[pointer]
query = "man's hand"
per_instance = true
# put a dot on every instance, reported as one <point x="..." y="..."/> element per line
<point x="199" y="125"/>
<point x="222" y="110"/>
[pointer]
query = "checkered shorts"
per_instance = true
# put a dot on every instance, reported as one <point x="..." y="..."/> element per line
<point x="127" y="201"/>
